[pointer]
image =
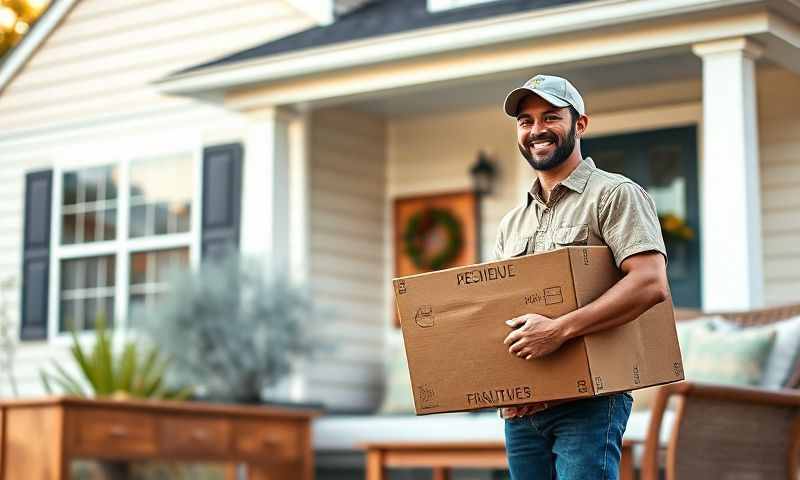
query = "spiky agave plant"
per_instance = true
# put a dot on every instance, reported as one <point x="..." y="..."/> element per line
<point x="134" y="372"/>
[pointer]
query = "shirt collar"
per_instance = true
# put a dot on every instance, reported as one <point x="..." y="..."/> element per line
<point x="576" y="181"/>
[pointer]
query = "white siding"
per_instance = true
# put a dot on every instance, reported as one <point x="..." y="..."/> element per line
<point x="779" y="134"/>
<point x="348" y="239"/>
<point x="90" y="82"/>
<point x="100" y="60"/>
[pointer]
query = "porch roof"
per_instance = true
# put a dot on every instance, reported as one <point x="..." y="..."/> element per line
<point x="378" y="18"/>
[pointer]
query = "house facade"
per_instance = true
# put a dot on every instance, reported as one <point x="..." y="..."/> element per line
<point x="291" y="127"/>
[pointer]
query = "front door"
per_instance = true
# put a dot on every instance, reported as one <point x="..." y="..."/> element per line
<point x="664" y="162"/>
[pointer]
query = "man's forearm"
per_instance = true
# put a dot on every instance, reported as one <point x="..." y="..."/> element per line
<point x="633" y="295"/>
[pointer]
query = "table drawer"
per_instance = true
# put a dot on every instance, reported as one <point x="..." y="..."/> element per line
<point x="194" y="436"/>
<point x="110" y="433"/>
<point x="269" y="439"/>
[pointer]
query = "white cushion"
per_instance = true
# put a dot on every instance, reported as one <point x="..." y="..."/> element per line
<point x="350" y="432"/>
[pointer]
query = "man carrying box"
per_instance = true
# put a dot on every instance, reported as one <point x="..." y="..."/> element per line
<point x="572" y="202"/>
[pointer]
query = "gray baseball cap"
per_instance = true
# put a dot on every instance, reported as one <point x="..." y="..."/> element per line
<point x="556" y="91"/>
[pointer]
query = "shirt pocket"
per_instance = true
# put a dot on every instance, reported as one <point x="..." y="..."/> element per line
<point x="515" y="247"/>
<point x="571" y="235"/>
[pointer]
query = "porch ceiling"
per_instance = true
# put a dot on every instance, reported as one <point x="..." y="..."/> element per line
<point x="464" y="95"/>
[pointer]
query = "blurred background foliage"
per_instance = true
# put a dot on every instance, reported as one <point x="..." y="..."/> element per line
<point x="16" y="18"/>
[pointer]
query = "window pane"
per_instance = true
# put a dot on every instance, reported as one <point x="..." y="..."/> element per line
<point x="96" y="308"/>
<point x="162" y="217"/>
<point x="111" y="177"/>
<point x="70" y="318"/>
<point x="89" y="226"/>
<point x="89" y="182"/>
<point x="169" y="260"/>
<point x="182" y="214"/>
<point x="89" y="205"/>
<point x="149" y="273"/>
<point x="70" y="275"/>
<point x="90" y="266"/>
<point x="70" y="189"/>
<point x="69" y="229"/>
<point x="165" y="186"/>
<point x="87" y="289"/>
<point x="138" y="224"/>
<point x="138" y="268"/>
<point x="110" y="224"/>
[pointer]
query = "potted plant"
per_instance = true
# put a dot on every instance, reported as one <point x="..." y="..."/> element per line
<point x="134" y="372"/>
<point x="232" y="328"/>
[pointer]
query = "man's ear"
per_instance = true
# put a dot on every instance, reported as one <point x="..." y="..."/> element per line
<point x="581" y="125"/>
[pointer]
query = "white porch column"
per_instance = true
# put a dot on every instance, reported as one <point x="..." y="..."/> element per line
<point x="275" y="206"/>
<point x="265" y="174"/>
<point x="730" y="187"/>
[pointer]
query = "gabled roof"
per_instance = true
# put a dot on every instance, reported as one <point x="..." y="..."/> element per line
<point x="378" y="18"/>
<point x="44" y="26"/>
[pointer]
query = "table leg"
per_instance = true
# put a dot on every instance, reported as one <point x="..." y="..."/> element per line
<point x="232" y="471"/>
<point x="375" y="469"/>
<point x="626" y="468"/>
<point x="441" y="473"/>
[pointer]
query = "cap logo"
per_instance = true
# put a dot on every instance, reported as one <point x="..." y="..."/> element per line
<point x="536" y="81"/>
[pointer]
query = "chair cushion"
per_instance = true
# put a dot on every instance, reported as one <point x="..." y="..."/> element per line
<point x="785" y="355"/>
<point x="733" y="358"/>
<point x="643" y="398"/>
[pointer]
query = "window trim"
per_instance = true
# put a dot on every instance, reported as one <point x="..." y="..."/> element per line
<point x="94" y="154"/>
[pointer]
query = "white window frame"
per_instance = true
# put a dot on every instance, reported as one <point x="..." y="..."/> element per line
<point x="122" y="153"/>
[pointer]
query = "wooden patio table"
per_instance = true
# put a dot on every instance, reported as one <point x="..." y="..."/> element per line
<point x="40" y="437"/>
<point x="442" y="457"/>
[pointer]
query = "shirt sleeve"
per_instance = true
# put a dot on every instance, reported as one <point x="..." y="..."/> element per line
<point x="498" y="244"/>
<point x="629" y="222"/>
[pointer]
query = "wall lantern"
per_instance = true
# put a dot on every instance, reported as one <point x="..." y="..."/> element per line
<point x="483" y="173"/>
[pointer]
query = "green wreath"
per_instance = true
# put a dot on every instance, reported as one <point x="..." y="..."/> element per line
<point x="417" y="229"/>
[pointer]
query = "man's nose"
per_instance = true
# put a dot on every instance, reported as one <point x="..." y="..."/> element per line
<point x="537" y="129"/>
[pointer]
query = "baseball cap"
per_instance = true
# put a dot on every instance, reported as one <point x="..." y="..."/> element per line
<point x="556" y="91"/>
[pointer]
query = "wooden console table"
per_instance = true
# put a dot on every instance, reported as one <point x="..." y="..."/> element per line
<point x="443" y="457"/>
<point x="39" y="438"/>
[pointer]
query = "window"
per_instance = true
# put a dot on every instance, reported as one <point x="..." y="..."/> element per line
<point x="121" y="228"/>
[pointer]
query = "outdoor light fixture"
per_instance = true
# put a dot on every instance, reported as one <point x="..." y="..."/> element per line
<point x="483" y="173"/>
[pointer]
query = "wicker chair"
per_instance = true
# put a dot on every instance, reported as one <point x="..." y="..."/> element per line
<point x="723" y="432"/>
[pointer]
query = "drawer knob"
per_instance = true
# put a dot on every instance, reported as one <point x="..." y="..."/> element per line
<point x="118" y="431"/>
<point x="199" y="435"/>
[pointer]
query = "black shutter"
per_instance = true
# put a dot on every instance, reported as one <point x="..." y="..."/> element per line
<point x="222" y="199"/>
<point x="36" y="255"/>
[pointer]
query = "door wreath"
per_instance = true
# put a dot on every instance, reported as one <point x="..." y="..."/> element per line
<point x="416" y="238"/>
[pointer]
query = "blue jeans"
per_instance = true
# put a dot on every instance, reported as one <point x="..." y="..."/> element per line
<point x="580" y="440"/>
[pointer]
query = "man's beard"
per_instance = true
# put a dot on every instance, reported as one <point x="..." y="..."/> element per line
<point x="559" y="155"/>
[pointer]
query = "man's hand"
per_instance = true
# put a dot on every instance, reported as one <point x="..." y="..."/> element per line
<point x="534" y="336"/>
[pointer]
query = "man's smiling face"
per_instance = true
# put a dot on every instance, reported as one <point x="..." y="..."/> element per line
<point x="545" y="134"/>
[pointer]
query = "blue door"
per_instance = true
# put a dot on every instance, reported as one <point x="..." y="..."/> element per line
<point x="664" y="162"/>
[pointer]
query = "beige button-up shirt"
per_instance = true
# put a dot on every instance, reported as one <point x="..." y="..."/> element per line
<point x="589" y="207"/>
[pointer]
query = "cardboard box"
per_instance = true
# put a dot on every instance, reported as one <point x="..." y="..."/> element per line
<point x="453" y="324"/>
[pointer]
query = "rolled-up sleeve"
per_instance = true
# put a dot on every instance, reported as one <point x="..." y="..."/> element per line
<point x="498" y="245"/>
<point x="629" y="222"/>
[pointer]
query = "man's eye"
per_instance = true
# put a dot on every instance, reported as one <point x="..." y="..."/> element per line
<point x="551" y="118"/>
